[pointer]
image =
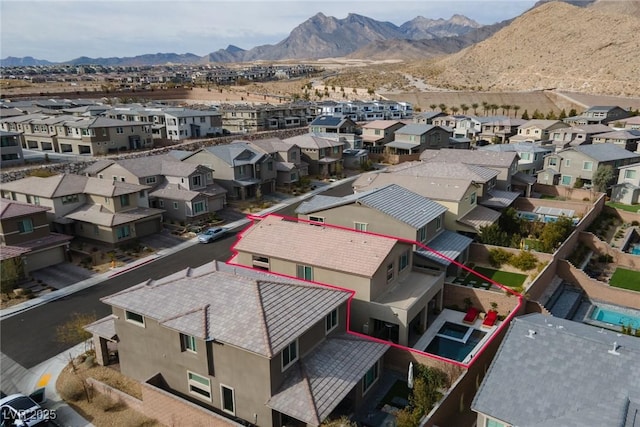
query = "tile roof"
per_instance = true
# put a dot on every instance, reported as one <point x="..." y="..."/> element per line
<point x="393" y="200"/>
<point x="447" y="243"/>
<point x="51" y="240"/>
<point x="312" y="141"/>
<point x="12" y="209"/>
<point x="524" y="147"/>
<point x="314" y="387"/>
<point x="499" y="199"/>
<point x="437" y="169"/>
<point x="445" y="189"/>
<point x="414" y="129"/>
<point x="604" y="152"/>
<point x="8" y="252"/>
<point x="522" y="177"/>
<point x="97" y="167"/>
<point x="333" y="248"/>
<point x="403" y="145"/>
<point x="147" y="165"/>
<point x="110" y="188"/>
<point x="540" y="123"/>
<point x="470" y="157"/>
<point x="49" y="187"/>
<point x="271" y="145"/>
<point x="97" y="214"/>
<point x="620" y="134"/>
<point x="381" y="124"/>
<point x="177" y="192"/>
<point x="105" y="327"/>
<point x="480" y="217"/>
<point x="256" y="311"/>
<point x="230" y="153"/>
<point x="563" y="375"/>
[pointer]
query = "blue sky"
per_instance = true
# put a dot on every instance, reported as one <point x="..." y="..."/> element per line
<point x="58" y="30"/>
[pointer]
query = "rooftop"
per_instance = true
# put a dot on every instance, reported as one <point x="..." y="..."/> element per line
<point x="437" y="189"/>
<point x="473" y="157"/>
<point x="13" y="209"/>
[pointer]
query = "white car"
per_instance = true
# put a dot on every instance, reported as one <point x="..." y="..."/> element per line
<point x="211" y="234"/>
<point x="23" y="411"/>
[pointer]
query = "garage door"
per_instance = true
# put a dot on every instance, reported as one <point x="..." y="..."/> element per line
<point x="45" y="258"/>
<point x="147" y="227"/>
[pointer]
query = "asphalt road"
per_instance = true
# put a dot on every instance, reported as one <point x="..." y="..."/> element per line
<point x="29" y="338"/>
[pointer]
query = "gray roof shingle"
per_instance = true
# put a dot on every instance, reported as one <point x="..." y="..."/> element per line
<point x="447" y="243"/>
<point x="604" y="152"/>
<point x="470" y="157"/>
<point x="256" y="311"/>
<point x="564" y="376"/>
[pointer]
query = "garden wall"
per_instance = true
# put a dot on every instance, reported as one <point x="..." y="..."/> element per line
<point x="595" y="289"/>
<point x="479" y="253"/>
<point x="625" y="216"/>
<point x="117" y="395"/>
<point x="568" y="192"/>
<point x="454" y="295"/>
<point x="529" y="205"/>
<point x="620" y="258"/>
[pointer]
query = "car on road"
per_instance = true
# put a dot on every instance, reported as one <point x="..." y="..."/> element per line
<point x="211" y="234"/>
<point x="23" y="411"/>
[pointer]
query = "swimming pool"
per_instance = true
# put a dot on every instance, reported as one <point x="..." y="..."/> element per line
<point x="635" y="249"/>
<point x="455" y="341"/>
<point x="615" y="317"/>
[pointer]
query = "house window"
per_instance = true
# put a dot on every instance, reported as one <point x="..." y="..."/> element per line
<point x="151" y="180"/>
<point x="331" y="321"/>
<point x="336" y="150"/>
<point x="370" y="377"/>
<point x="36" y="200"/>
<point x="196" y="181"/>
<point x="360" y="226"/>
<point x="25" y="226"/>
<point x="553" y="161"/>
<point x="422" y="234"/>
<point x="389" y="273"/>
<point x="119" y="130"/>
<point x="438" y="223"/>
<point x="316" y="219"/>
<point x="199" y="386"/>
<point x="293" y="177"/>
<point x="270" y="166"/>
<point x="525" y="156"/>
<point x="175" y="205"/>
<point x="132" y="317"/>
<point x="124" y="200"/>
<point x="161" y="203"/>
<point x="567" y="162"/>
<point x="472" y="198"/>
<point x="304" y="272"/>
<point x="587" y="166"/>
<point x="71" y="198"/>
<point x="228" y="398"/>
<point x="294" y="155"/>
<point x="493" y="423"/>
<point x="198" y="207"/>
<point x="260" y="262"/>
<point x="289" y="354"/>
<point x="404" y="260"/>
<point x="566" y="180"/>
<point x="630" y="174"/>
<point x="123" y="232"/>
<point x="188" y="343"/>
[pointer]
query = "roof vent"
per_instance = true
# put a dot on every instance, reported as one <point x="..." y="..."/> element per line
<point x="531" y="333"/>
<point x="614" y="349"/>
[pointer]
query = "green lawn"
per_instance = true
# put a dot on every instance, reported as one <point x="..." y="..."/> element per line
<point x="628" y="208"/>
<point x="533" y="244"/>
<point x="512" y="280"/>
<point x="626" y="279"/>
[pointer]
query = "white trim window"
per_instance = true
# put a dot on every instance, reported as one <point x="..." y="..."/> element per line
<point x="403" y="261"/>
<point x="370" y="377"/>
<point x="289" y="354"/>
<point x="135" y="318"/>
<point x="490" y="422"/>
<point x="360" y="226"/>
<point x="188" y="343"/>
<point x="587" y="166"/>
<point x="316" y="219"/>
<point x="228" y="399"/>
<point x="331" y="321"/>
<point x="199" y="386"/>
<point x="390" y="272"/>
<point x="304" y="272"/>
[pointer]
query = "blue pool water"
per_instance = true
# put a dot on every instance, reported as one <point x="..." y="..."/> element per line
<point x="453" y="330"/>
<point x="454" y="350"/>
<point x="635" y="250"/>
<point x="615" y="317"/>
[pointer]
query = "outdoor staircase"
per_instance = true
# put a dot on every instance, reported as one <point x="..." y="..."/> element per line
<point x="565" y="301"/>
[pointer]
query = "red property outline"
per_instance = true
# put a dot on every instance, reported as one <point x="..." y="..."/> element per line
<point x="504" y="324"/>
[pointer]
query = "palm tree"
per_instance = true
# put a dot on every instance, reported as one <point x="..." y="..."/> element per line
<point x="485" y="107"/>
<point x="475" y="108"/>
<point x="433" y="107"/>
<point x="508" y="108"/>
<point x="442" y="107"/>
<point x="494" y="109"/>
<point x="515" y="110"/>
<point x="454" y="110"/>
<point x="464" y="108"/>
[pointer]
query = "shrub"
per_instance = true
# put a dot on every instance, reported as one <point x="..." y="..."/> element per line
<point x="524" y="261"/>
<point x="498" y="256"/>
<point x="104" y="402"/>
<point x="635" y="223"/>
<point x="605" y="259"/>
<point x="71" y="389"/>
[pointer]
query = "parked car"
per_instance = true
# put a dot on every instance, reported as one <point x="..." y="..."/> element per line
<point x="21" y="410"/>
<point x="211" y="234"/>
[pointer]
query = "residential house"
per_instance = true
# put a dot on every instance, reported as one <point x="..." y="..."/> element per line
<point x="365" y="110"/>
<point x="627" y="139"/>
<point x="186" y="191"/>
<point x="391" y="298"/>
<point x="11" y="148"/>
<point x="628" y="123"/>
<point x="415" y="138"/>
<point x="112" y="212"/>
<point x="427" y="117"/>
<point x="581" y="162"/>
<point x="26" y="239"/>
<point x="182" y="123"/>
<point x="537" y="130"/>
<point x="576" y="375"/>
<point x="471" y="127"/>
<point x="242" y="170"/>
<point x="288" y="159"/>
<point x="499" y="130"/>
<point x="450" y="121"/>
<point x="458" y="195"/>
<point x="506" y="163"/>
<point x="627" y="190"/>
<point x="341" y="129"/>
<point x="598" y="115"/>
<point x="257" y="348"/>
<point x="379" y="132"/>
<point x="324" y="156"/>
<point x="576" y="135"/>
<point x="530" y="155"/>
<point x="257" y="118"/>
<point x="394" y="211"/>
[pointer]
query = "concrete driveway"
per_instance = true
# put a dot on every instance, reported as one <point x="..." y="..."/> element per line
<point x="61" y="275"/>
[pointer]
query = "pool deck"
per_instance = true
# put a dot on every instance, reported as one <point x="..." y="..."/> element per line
<point x="454" y="316"/>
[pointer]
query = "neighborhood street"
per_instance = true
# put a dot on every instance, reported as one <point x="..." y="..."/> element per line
<point x="29" y="338"/>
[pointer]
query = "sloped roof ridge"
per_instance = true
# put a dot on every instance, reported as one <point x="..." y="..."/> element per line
<point x="307" y="383"/>
<point x="193" y="310"/>
<point x="263" y="316"/>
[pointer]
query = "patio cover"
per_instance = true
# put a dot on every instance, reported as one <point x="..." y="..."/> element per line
<point x="449" y="244"/>
<point x="315" y="385"/>
<point x="402" y="145"/>
<point x="104" y="328"/>
<point x="500" y="199"/>
<point x="524" y="178"/>
<point x="480" y="217"/>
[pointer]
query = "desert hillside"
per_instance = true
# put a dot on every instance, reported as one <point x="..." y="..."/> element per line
<point x="555" y="45"/>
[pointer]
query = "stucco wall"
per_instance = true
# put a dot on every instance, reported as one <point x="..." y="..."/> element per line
<point x="480" y="298"/>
